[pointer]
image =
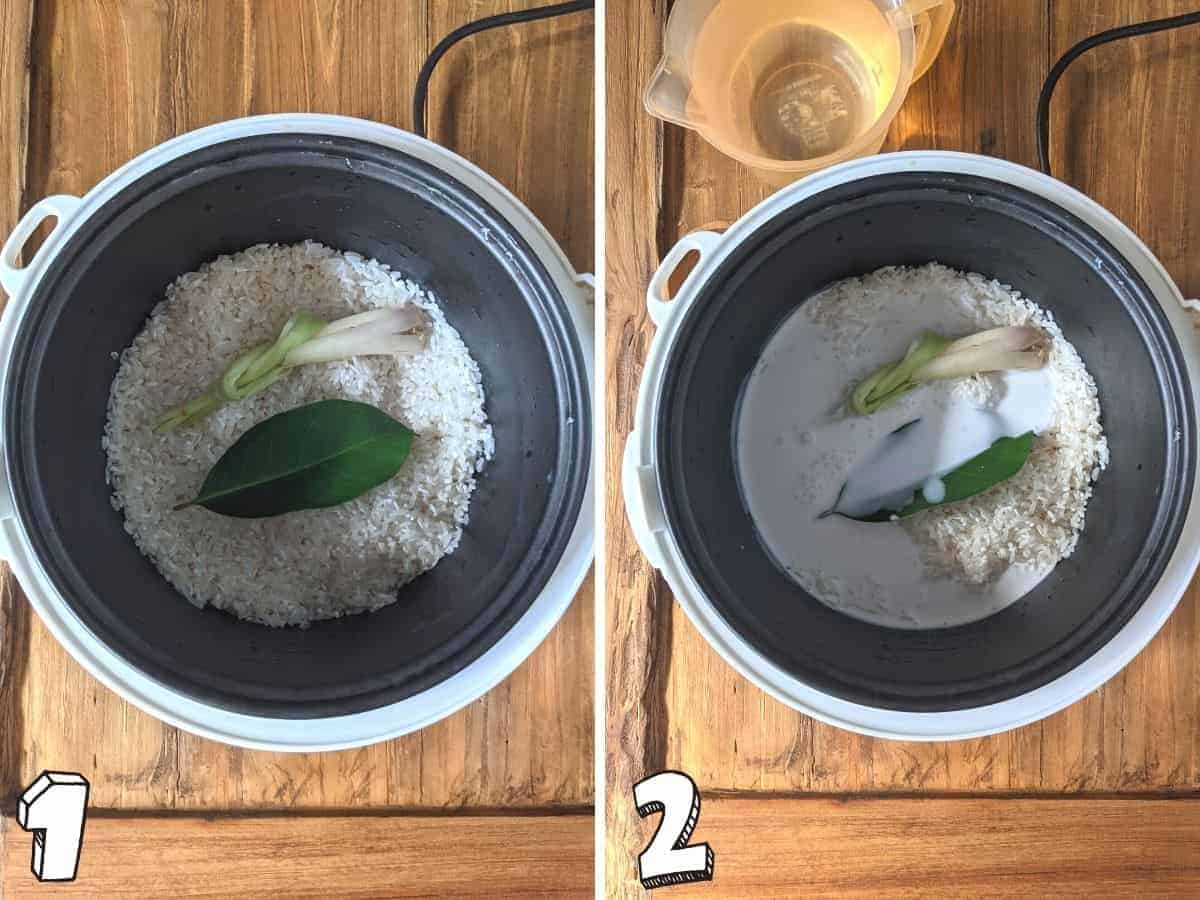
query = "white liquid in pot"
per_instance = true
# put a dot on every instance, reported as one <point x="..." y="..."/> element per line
<point x="796" y="448"/>
<point x="942" y="437"/>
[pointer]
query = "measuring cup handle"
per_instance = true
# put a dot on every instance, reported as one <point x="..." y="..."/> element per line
<point x="931" y="22"/>
<point x="658" y="295"/>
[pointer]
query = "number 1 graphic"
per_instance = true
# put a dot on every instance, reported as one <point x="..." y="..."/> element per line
<point x="54" y="808"/>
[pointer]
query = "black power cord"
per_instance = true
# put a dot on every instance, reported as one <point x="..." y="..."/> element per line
<point x="421" y="91"/>
<point x="1104" y="37"/>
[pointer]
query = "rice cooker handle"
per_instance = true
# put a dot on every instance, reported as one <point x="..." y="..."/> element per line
<point x="658" y="294"/>
<point x="587" y="301"/>
<point x="61" y="207"/>
<point x="1193" y="308"/>
<point x="640" y="489"/>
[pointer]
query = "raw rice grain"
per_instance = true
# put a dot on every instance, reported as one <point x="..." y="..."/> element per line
<point x="316" y="564"/>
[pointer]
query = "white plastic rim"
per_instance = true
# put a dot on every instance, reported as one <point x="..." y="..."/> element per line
<point x="646" y="511"/>
<point x="335" y="732"/>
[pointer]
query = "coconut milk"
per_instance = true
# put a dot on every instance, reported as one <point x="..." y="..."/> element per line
<point x="796" y="447"/>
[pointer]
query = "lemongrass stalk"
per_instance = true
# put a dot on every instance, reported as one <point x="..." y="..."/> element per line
<point x="932" y="357"/>
<point x="1020" y="347"/>
<point x="304" y="339"/>
<point x="896" y="379"/>
<point x="381" y="332"/>
<point x="397" y="318"/>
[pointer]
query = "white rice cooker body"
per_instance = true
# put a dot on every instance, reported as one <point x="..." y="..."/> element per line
<point x="645" y="507"/>
<point x="188" y="713"/>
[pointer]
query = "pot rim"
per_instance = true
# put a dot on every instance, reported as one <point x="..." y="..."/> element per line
<point x="646" y="507"/>
<point x="332" y="732"/>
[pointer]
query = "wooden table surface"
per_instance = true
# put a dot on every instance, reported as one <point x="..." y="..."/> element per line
<point x="1124" y="131"/>
<point x="84" y="87"/>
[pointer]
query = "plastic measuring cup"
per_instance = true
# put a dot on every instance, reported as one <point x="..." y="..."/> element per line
<point x="788" y="87"/>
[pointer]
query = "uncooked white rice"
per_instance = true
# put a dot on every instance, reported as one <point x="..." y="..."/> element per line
<point x="1033" y="519"/>
<point x="317" y="564"/>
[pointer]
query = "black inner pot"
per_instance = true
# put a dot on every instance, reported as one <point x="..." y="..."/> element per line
<point x="1105" y="310"/>
<point x="350" y="195"/>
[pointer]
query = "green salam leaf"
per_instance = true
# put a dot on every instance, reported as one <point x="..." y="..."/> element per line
<point x="315" y="456"/>
<point x="998" y="463"/>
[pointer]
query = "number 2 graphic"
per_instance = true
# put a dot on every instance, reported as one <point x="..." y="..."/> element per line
<point x="54" y="808"/>
<point x="668" y="859"/>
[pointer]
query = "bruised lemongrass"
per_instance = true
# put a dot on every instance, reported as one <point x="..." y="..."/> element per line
<point x="1019" y="347"/>
<point x="932" y="357"/>
<point x="896" y="379"/>
<point x="396" y="318"/>
<point x="375" y="333"/>
<point x="305" y="339"/>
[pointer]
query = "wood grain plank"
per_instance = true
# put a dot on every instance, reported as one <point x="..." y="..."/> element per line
<point x="311" y="856"/>
<point x="981" y="94"/>
<point x="539" y="77"/>
<point x="17" y="19"/>
<point x="112" y="79"/>
<point x="638" y="608"/>
<point x="1140" y="732"/>
<point x="467" y="760"/>
<point x="17" y="16"/>
<point x="1123" y="124"/>
<point x="520" y="102"/>
<point x="929" y="848"/>
<point x="1123" y="131"/>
